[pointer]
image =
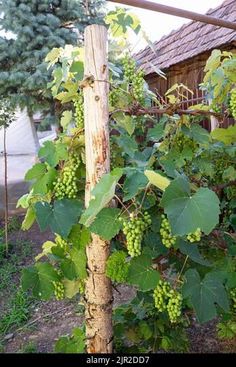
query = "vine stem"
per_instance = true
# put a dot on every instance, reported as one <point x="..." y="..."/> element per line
<point x="5" y="188"/>
<point x="181" y="271"/>
<point x="144" y="195"/>
<point x="123" y="206"/>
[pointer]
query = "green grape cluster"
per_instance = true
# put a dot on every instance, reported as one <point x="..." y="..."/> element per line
<point x="182" y="142"/>
<point x="117" y="267"/>
<point x="66" y="184"/>
<point x="135" y="78"/>
<point x="60" y="242"/>
<point x="113" y="97"/>
<point x="79" y="111"/>
<point x="81" y="286"/>
<point x="215" y="107"/>
<point x="168" y="299"/>
<point x="194" y="236"/>
<point x="59" y="290"/>
<point x="134" y="229"/>
<point x="232" y="103"/>
<point x="165" y="231"/>
<point x="233" y="298"/>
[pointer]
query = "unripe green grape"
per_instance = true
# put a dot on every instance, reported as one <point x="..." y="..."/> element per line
<point x="61" y="242"/>
<point x="168" y="299"/>
<point x="232" y="103"/>
<point x="59" y="290"/>
<point x="66" y="184"/>
<point x="134" y="229"/>
<point x="233" y="298"/>
<point x="165" y="231"/>
<point x="194" y="236"/>
<point x="79" y="110"/>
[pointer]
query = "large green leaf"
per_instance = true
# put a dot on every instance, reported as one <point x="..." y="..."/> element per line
<point x="60" y="216"/>
<point x="142" y="274"/>
<point x="80" y="236"/>
<point x="53" y="152"/>
<point x="128" y="144"/>
<point x="39" y="278"/>
<point x="106" y="224"/>
<point x="192" y="251"/>
<point x="102" y="194"/>
<point x="125" y="121"/>
<point x="227" y="136"/>
<point x="156" y="133"/>
<point x="205" y="294"/>
<point x="135" y="182"/>
<point x="157" y="179"/>
<point x="42" y="178"/>
<point x="198" y="133"/>
<point x="71" y="344"/>
<point x="187" y="212"/>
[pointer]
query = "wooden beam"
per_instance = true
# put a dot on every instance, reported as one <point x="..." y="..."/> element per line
<point x="149" y="5"/>
<point x="98" y="292"/>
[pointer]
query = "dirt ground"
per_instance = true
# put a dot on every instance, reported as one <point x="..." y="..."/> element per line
<point x="52" y="319"/>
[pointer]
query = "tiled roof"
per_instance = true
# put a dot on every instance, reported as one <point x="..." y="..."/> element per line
<point x="190" y="40"/>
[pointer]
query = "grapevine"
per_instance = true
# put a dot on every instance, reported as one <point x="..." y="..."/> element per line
<point x="233" y="298"/>
<point x="59" y="290"/>
<point x="168" y="299"/>
<point x="134" y="230"/>
<point x="61" y="242"/>
<point x="79" y="111"/>
<point x="232" y="103"/>
<point x="167" y="238"/>
<point x="182" y="141"/>
<point x="117" y="268"/>
<point x="195" y="236"/>
<point x="66" y="184"/>
<point x="134" y="78"/>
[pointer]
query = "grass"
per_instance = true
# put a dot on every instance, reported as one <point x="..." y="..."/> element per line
<point x="15" y="303"/>
<point x="30" y="347"/>
<point x="17" y="313"/>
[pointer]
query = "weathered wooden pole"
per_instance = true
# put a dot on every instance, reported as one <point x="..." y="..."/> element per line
<point x="98" y="293"/>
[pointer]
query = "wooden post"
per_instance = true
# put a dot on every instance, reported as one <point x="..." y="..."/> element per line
<point x="98" y="293"/>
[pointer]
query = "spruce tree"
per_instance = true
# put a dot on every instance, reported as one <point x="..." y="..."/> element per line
<point x="33" y="28"/>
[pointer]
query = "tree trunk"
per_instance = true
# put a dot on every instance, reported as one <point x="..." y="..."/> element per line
<point x="98" y="293"/>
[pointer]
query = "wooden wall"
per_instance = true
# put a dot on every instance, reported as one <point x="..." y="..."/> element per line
<point x="191" y="74"/>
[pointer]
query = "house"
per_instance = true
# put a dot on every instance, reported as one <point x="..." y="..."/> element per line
<point x="183" y="53"/>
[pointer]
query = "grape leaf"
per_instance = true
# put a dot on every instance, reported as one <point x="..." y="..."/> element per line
<point x="75" y="266"/>
<point x="204" y="294"/>
<point x="192" y="251"/>
<point x="36" y="172"/>
<point x="102" y="194"/>
<point x="71" y="344"/>
<point x="53" y="152"/>
<point x="187" y="212"/>
<point x="39" y="278"/>
<point x="125" y="121"/>
<point x="156" y="133"/>
<point x="141" y="273"/>
<point x="60" y="216"/>
<point x="66" y="119"/>
<point x="29" y="219"/>
<point x="227" y="136"/>
<point x="128" y="145"/>
<point x="197" y="133"/>
<point x="72" y="287"/>
<point x="106" y="224"/>
<point x="135" y="182"/>
<point x="157" y="180"/>
<point x="80" y="236"/>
